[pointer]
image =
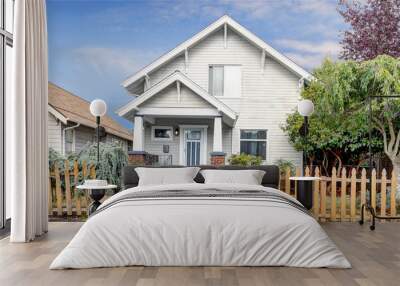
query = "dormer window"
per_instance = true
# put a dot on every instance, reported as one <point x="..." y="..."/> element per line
<point x="225" y="80"/>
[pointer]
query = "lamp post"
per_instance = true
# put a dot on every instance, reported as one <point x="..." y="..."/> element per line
<point x="305" y="108"/>
<point x="98" y="108"/>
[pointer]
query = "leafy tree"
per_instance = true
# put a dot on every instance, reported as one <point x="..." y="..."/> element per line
<point x="339" y="124"/>
<point x="375" y="29"/>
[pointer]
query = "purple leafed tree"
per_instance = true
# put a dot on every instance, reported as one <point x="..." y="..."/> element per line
<point x="375" y="29"/>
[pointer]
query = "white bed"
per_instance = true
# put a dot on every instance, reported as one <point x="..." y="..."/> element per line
<point x="184" y="230"/>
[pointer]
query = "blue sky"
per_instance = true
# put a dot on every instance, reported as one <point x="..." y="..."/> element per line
<point x="95" y="44"/>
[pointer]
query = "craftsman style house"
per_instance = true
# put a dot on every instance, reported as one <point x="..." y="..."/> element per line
<point x="222" y="92"/>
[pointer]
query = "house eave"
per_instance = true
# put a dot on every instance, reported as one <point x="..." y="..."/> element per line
<point x="224" y="20"/>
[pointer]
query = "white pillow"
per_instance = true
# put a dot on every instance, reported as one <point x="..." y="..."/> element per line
<point x="166" y="176"/>
<point x="248" y="177"/>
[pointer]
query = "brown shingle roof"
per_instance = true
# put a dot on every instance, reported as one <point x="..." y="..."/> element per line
<point x="76" y="109"/>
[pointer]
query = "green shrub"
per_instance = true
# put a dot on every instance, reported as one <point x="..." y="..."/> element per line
<point x="112" y="160"/>
<point x="245" y="160"/>
<point x="284" y="165"/>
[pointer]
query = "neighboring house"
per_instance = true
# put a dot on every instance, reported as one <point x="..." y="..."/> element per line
<point x="223" y="91"/>
<point x="71" y="125"/>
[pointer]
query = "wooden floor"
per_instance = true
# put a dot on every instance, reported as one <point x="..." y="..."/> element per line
<point x="375" y="257"/>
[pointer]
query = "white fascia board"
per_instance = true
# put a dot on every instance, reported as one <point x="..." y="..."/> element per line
<point x="204" y="33"/>
<point x="57" y="114"/>
<point x="178" y="112"/>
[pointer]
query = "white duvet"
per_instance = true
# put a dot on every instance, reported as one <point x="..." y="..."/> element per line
<point x="200" y="231"/>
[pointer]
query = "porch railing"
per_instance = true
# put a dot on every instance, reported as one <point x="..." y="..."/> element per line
<point x="158" y="160"/>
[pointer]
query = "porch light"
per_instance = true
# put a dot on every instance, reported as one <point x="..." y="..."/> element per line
<point x="305" y="107"/>
<point x="176" y="132"/>
<point x="98" y="108"/>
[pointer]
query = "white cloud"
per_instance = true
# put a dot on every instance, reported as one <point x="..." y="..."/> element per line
<point x="104" y="60"/>
<point x="309" y="54"/>
<point x="327" y="47"/>
<point x="256" y="9"/>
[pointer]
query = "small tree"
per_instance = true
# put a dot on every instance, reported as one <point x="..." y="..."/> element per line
<point x="340" y="121"/>
<point x="375" y="29"/>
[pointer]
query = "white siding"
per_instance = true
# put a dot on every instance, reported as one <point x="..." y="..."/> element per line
<point x="83" y="135"/>
<point x="54" y="133"/>
<point x="169" y="98"/>
<point x="267" y="97"/>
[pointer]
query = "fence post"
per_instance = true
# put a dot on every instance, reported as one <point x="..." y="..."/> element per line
<point x="383" y="193"/>
<point x="316" y="194"/>
<point x="298" y="174"/>
<point x="84" y="174"/>
<point x="67" y="188"/>
<point x="333" y="194"/>
<point x="58" y="189"/>
<point x="92" y="172"/>
<point x="307" y="171"/>
<point x="343" y="195"/>
<point x="353" y="194"/>
<point x="363" y="188"/>
<point x="373" y="189"/>
<point x="323" y="199"/>
<point x="393" y="190"/>
<point x="77" y="199"/>
<point x="287" y="181"/>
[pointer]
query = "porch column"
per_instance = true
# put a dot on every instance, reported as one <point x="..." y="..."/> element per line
<point x="137" y="156"/>
<point x="217" y="155"/>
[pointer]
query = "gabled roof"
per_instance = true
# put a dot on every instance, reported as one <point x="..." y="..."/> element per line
<point x="68" y="107"/>
<point x="177" y="76"/>
<point x="207" y="31"/>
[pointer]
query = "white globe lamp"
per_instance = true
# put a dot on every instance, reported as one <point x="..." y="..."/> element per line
<point x="305" y="107"/>
<point x="98" y="108"/>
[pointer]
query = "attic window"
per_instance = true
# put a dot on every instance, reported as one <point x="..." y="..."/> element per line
<point x="225" y="80"/>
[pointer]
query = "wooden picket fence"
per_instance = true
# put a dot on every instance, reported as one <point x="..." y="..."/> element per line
<point x="336" y="198"/>
<point x="340" y="196"/>
<point x="64" y="199"/>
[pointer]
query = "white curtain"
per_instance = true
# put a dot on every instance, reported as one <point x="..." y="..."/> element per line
<point x="27" y="123"/>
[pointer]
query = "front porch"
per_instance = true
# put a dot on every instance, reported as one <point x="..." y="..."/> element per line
<point x="179" y="119"/>
<point x="181" y="141"/>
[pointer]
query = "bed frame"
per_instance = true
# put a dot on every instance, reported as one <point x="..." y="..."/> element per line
<point x="271" y="178"/>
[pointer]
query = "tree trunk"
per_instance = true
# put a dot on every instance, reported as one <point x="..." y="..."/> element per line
<point x="396" y="169"/>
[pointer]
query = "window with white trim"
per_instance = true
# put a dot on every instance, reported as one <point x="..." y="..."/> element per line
<point x="162" y="133"/>
<point x="69" y="141"/>
<point x="225" y="80"/>
<point x="254" y="142"/>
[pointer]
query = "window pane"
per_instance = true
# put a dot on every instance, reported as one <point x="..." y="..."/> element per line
<point x="217" y="80"/>
<point x="193" y="135"/>
<point x="162" y="133"/>
<point x="232" y="81"/>
<point x="9" y="9"/>
<point x="253" y="134"/>
<point x="69" y="141"/>
<point x="256" y="148"/>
